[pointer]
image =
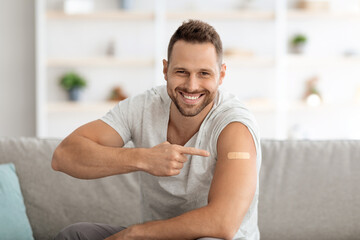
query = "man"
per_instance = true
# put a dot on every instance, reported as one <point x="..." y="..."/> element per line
<point x="196" y="147"/>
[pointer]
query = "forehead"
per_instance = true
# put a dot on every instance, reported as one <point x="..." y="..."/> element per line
<point x="193" y="55"/>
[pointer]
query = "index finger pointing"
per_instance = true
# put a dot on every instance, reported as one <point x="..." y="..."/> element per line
<point x="194" y="151"/>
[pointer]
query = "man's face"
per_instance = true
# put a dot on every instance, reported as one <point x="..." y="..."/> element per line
<point x="193" y="76"/>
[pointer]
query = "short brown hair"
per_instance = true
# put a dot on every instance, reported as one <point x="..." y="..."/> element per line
<point x="196" y="31"/>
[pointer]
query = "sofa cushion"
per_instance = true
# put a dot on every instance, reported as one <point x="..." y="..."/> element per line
<point x="14" y="224"/>
<point x="54" y="200"/>
<point x="310" y="190"/>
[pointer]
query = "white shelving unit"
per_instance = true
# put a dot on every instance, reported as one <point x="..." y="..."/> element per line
<point x="76" y="107"/>
<point x="100" y="62"/>
<point x="321" y="15"/>
<point x="252" y="15"/>
<point x="298" y="61"/>
<point x="47" y="109"/>
<point x="102" y="15"/>
<point x="278" y="108"/>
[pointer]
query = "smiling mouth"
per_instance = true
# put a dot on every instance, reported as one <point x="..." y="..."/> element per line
<point x="191" y="96"/>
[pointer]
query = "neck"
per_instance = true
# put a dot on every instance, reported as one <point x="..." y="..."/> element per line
<point x="181" y="128"/>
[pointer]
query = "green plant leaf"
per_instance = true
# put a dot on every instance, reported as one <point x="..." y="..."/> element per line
<point x="72" y="80"/>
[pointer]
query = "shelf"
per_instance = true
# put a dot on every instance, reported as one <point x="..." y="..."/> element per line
<point x="88" y="107"/>
<point x="171" y="15"/>
<point x="80" y="107"/>
<point x="241" y="61"/>
<point x="100" y="62"/>
<point x="261" y="106"/>
<point x="294" y="60"/>
<point x="106" y="15"/>
<point x="222" y="15"/>
<point x="301" y="106"/>
<point x="251" y="61"/>
<point x="299" y="60"/>
<point x="295" y="14"/>
<point x="268" y="106"/>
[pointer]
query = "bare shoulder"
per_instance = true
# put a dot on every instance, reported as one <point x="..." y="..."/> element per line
<point x="235" y="136"/>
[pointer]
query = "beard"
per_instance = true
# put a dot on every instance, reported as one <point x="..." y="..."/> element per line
<point x="189" y="110"/>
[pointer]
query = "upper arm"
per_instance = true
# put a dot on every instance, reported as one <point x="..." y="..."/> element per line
<point x="101" y="133"/>
<point x="234" y="182"/>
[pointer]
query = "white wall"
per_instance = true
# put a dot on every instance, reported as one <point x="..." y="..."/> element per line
<point x="17" y="68"/>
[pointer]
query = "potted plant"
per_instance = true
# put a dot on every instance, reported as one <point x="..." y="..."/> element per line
<point x="298" y="43"/>
<point x="72" y="83"/>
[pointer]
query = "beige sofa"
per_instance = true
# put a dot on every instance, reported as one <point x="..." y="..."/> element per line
<point x="308" y="190"/>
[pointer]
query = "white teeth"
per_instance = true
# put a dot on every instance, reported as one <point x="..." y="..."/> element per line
<point x="189" y="97"/>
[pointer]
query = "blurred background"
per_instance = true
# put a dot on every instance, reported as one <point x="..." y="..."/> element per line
<point x="295" y="64"/>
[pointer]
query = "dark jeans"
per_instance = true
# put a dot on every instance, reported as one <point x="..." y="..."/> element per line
<point x="93" y="231"/>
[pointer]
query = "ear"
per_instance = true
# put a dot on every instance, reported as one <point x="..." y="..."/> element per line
<point x="165" y="69"/>
<point x="222" y="73"/>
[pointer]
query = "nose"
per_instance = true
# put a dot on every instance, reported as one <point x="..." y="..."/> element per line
<point x="192" y="83"/>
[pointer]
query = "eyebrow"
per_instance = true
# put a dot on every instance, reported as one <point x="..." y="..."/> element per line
<point x="179" y="68"/>
<point x="206" y="70"/>
<point x="201" y="69"/>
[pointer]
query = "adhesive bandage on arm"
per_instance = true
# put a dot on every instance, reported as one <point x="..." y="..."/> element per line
<point x="238" y="155"/>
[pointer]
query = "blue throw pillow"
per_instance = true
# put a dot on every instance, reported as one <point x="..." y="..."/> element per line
<point x="14" y="223"/>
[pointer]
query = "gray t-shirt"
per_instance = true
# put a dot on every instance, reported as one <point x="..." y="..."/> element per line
<point x="143" y="119"/>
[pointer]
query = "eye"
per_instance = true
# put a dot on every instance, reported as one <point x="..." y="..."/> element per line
<point x="180" y="71"/>
<point x="205" y="73"/>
